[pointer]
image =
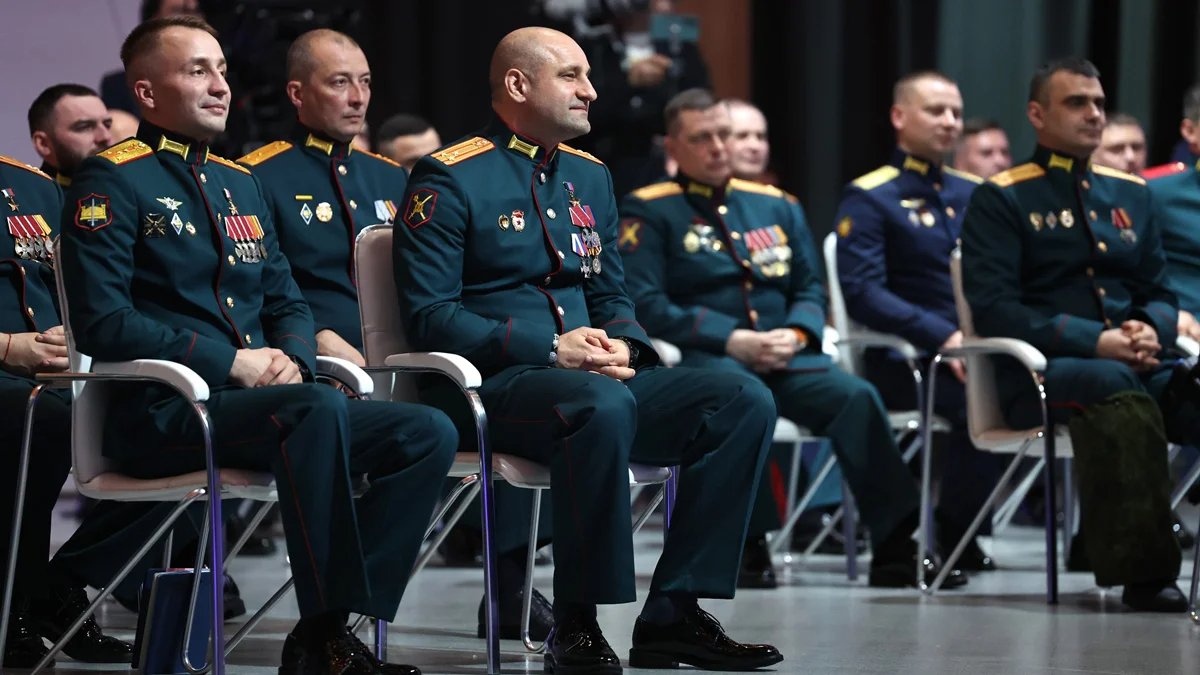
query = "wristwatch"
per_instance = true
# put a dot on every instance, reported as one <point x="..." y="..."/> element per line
<point x="553" y="360"/>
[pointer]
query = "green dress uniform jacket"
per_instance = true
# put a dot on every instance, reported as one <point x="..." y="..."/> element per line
<point x="170" y="253"/>
<point x="1175" y="201"/>
<point x="1055" y="251"/>
<point x="506" y="243"/>
<point x="705" y="260"/>
<point x="321" y="194"/>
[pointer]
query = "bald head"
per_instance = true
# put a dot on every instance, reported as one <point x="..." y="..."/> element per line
<point x="305" y="52"/>
<point x="525" y="49"/>
<point x="540" y="86"/>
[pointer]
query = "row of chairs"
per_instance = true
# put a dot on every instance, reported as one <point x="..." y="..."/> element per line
<point x="390" y="372"/>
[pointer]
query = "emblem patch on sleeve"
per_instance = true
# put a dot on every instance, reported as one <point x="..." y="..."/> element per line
<point x="92" y="212"/>
<point x="630" y="237"/>
<point x="419" y="209"/>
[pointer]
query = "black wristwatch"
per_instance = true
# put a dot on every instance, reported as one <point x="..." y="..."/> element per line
<point x="633" y="352"/>
<point x="305" y="374"/>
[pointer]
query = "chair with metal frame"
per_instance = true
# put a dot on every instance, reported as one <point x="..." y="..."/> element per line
<point x="97" y="477"/>
<point x="391" y="364"/>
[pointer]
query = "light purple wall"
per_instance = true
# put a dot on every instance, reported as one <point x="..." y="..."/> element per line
<point x="45" y="42"/>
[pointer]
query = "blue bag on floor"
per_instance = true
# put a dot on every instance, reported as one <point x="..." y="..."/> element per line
<point x="163" y="607"/>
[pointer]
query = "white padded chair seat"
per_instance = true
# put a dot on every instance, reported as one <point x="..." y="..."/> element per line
<point x="1010" y="440"/>
<point x="234" y="483"/>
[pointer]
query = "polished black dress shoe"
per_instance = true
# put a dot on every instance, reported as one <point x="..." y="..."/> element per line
<point x="541" y="617"/>
<point x="54" y="613"/>
<point x="577" y="647"/>
<point x="756" y="570"/>
<point x="1155" y="596"/>
<point x="902" y="573"/>
<point x="340" y="653"/>
<point x="24" y="647"/>
<point x="698" y="640"/>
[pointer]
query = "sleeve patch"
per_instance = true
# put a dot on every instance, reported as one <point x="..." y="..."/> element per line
<point x="93" y="212"/>
<point x="630" y="237"/>
<point x="420" y="207"/>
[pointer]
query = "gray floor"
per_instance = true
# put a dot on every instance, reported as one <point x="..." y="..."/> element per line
<point x="822" y="622"/>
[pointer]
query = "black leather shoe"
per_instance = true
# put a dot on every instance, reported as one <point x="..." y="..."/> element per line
<point x="1155" y="596"/>
<point x="902" y="573"/>
<point x="341" y="653"/>
<point x="24" y="647"/>
<point x="233" y="603"/>
<point x="577" y="647"/>
<point x="53" y="615"/>
<point x="697" y="640"/>
<point x="541" y="617"/>
<point x="757" y="570"/>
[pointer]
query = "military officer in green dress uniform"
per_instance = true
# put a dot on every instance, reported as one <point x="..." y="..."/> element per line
<point x="170" y="253"/>
<point x="507" y="256"/>
<point x="1067" y="256"/>
<point x="322" y="193"/>
<point x="47" y="599"/>
<point x="1176" y="203"/>
<point x="725" y="269"/>
<point x="68" y="123"/>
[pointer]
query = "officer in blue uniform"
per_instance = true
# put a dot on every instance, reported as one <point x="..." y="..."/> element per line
<point x="726" y="270"/>
<point x="1066" y="255"/>
<point x="322" y="193"/>
<point x="170" y="253"/>
<point x="47" y="599"/>
<point x="896" y="228"/>
<point x="507" y="256"/>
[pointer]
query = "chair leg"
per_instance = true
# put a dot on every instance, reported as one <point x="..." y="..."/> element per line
<point x="253" y="621"/>
<point x="251" y="525"/>
<point x="1069" y="499"/>
<point x="1006" y="511"/>
<point x="527" y="598"/>
<point x="431" y="549"/>
<point x="166" y="524"/>
<point x="490" y="592"/>
<point x="659" y="496"/>
<point x="1051" y="516"/>
<point x="381" y="635"/>
<point x="14" y="539"/>
<point x="777" y="541"/>
<point x="444" y="507"/>
<point x="948" y="564"/>
<point x="1195" y="583"/>
<point x="793" y="484"/>
<point x="671" y="490"/>
<point x="850" y="540"/>
<point x="1186" y="484"/>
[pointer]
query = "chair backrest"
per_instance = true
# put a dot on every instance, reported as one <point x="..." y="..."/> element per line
<point x="379" y="308"/>
<point x="850" y="358"/>
<point x="90" y="403"/>
<point x="983" y="403"/>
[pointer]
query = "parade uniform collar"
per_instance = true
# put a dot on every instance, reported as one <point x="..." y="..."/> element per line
<point x="1052" y="160"/>
<point x="922" y="168"/>
<point x="59" y="177"/>
<point x="169" y="143"/>
<point x="520" y="144"/>
<point x="706" y="192"/>
<point x="320" y="143"/>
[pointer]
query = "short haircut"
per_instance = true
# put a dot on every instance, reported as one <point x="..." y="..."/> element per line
<point x="300" y="60"/>
<point x="1191" y="103"/>
<point x="688" y="99"/>
<point x="978" y="125"/>
<point x="905" y="84"/>
<point x="144" y="38"/>
<point x="399" y="125"/>
<point x="1071" y="64"/>
<point x="1120" y="119"/>
<point x="43" y="106"/>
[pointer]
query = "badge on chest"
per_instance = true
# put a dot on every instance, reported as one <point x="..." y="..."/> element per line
<point x="31" y="238"/>
<point x="769" y="250"/>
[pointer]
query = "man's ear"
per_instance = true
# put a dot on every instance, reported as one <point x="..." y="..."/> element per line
<point x="516" y="84"/>
<point x="143" y="94"/>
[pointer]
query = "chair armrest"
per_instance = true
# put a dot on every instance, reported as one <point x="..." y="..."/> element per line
<point x="347" y="373"/>
<point x="452" y="366"/>
<point x="1021" y="350"/>
<point x="668" y="353"/>
<point x="1187" y="345"/>
<point x="829" y="340"/>
<point x="177" y="375"/>
<point x="864" y="338"/>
